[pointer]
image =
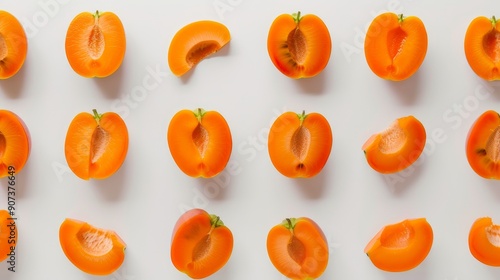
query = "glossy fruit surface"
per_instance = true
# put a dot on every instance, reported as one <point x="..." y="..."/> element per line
<point x="13" y="45"/>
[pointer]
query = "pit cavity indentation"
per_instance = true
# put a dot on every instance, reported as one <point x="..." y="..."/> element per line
<point x="3" y="48"/>
<point x="300" y="142"/>
<point x="99" y="143"/>
<point x="397" y="236"/>
<point x="396" y="39"/>
<point x="392" y="139"/>
<point x="296" y="250"/>
<point x="200" y="139"/>
<point x="95" y="242"/>
<point x="493" y="235"/>
<point x="493" y="145"/>
<point x="491" y="45"/>
<point x="201" y="50"/>
<point x="202" y="248"/>
<point x="297" y="45"/>
<point x="96" y="42"/>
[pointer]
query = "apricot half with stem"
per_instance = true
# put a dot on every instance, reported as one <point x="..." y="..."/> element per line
<point x="401" y="246"/>
<point x="201" y="244"/>
<point x="396" y="148"/>
<point x="15" y="143"/>
<point x="8" y="234"/>
<point x="484" y="241"/>
<point x="96" y="144"/>
<point x="299" y="46"/>
<point x="194" y="42"/>
<point x="482" y="47"/>
<point x="299" y="144"/>
<point x="298" y="248"/>
<point x="93" y="250"/>
<point x="13" y="45"/>
<point x="95" y="44"/>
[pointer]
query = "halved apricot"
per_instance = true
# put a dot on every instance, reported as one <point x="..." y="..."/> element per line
<point x="483" y="145"/>
<point x="93" y="250"/>
<point x="194" y="42"/>
<point x="298" y="248"/>
<point x="8" y="234"/>
<point x="484" y="241"/>
<point x="15" y="143"/>
<point x="200" y="142"/>
<point x="396" y="148"/>
<point x="96" y="145"/>
<point x="13" y="45"/>
<point x="482" y="47"/>
<point x="299" y="46"/>
<point x="299" y="144"/>
<point x="401" y="246"/>
<point x="395" y="46"/>
<point x="95" y="44"/>
<point x="201" y="244"/>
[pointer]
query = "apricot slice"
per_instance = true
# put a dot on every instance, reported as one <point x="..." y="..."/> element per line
<point x="395" y="46"/>
<point x="200" y="142"/>
<point x="8" y="234"/>
<point x="95" y="44"/>
<point x="194" y="42"/>
<point x="483" y="145"/>
<point x="298" y="248"/>
<point x="15" y="143"/>
<point x="13" y="45"/>
<point x="96" y="145"/>
<point x="482" y="47"/>
<point x="299" y="46"/>
<point x="92" y="250"/>
<point x="201" y="244"/>
<point x="299" y="144"/>
<point x="484" y="241"/>
<point x="396" y="148"/>
<point x="401" y="246"/>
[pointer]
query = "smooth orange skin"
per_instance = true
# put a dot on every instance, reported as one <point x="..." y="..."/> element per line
<point x="79" y="257"/>
<point x="387" y="163"/>
<point x="191" y="227"/>
<point x="18" y="143"/>
<point x="77" y="147"/>
<point x="381" y="46"/>
<point x="281" y="152"/>
<point x="184" y="151"/>
<point x="77" y="44"/>
<point x="316" y="249"/>
<point x="16" y="43"/>
<point x="477" y="140"/>
<point x="479" y="245"/>
<point x="6" y="242"/>
<point x="483" y="58"/>
<point x="385" y="252"/>
<point x="319" y="45"/>
<point x="189" y="37"/>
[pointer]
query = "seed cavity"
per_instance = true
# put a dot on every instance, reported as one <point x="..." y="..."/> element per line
<point x="201" y="50"/>
<point x="95" y="242"/>
<point x="491" y="45"/>
<point x="200" y="139"/>
<point x="98" y="144"/>
<point x="493" y="235"/>
<point x="96" y="42"/>
<point x="202" y="248"/>
<point x="3" y="144"/>
<point x="3" y="47"/>
<point x="300" y="142"/>
<point x="396" y="40"/>
<point x="397" y="235"/>
<point x="296" y="250"/>
<point x="297" y="45"/>
<point x="493" y="145"/>
<point x="392" y="139"/>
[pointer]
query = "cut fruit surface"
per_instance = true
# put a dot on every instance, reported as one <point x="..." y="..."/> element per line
<point x="13" y="45"/>
<point x="8" y="234"/>
<point x="15" y="143"/>
<point x="484" y="241"/>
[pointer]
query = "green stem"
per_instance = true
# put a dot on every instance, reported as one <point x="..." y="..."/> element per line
<point x="302" y="116"/>
<point x="96" y="17"/>
<point x="97" y="116"/>
<point x="199" y="113"/>
<point x="400" y="18"/>
<point x="494" y="21"/>
<point x="289" y="223"/>
<point x="296" y="17"/>
<point x="215" y="221"/>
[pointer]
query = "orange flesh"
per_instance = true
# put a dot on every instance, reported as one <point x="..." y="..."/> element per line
<point x="299" y="50"/>
<point x="200" y="142"/>
<point x="300" y="148"/>
<point x="395" y="47"/>
<point x="484" y="241"/>
<point x="194" y="42"/>
<point x="92" y="250"/>
<point x="6" y="239"/>
<point x="201" y="244"/>
<point x="15" y="143"/>
<point x="482" y="47"/>
<point x="13" y="45"/>
<point x="396" y="148"/>
<point x="401" y="246"/>
<point x="95" y="44"/>
<point x="300" y="251"/>
<point x="96" y="148"/>
<point x="483" y="145"/>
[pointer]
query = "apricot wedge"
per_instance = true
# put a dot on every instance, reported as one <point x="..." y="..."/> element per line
<point x="299" y="144"/>
<point x="13" y="45"/>
<point x="15" y="143"/>
<point x="483" y="145"/>
<point x="8" y="234"/>
<point x="194" y="42"/>
<point x="95" y="44"/>
<point x="396" y="148"/>
<point x="298" y="248"/>
<point x="401" y="246"/>
<point x="96" y="145"/>
<point x="201" y="244"/>
<point x="484" y="241"/>
<point x="92" y="250"/>
<point x="395" y="46"/>
<point x="482" y="47"/>
<point x="299" y="46"/>
<point x="200" y="142"/>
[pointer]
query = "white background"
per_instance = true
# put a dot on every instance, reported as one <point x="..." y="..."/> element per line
<point x="348" y="199"/>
